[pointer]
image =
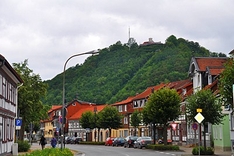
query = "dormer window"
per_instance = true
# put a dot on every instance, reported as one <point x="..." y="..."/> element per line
<point x="120" y="108"/>
<point x="135" y="104"/>
<point x="184" y="91"/>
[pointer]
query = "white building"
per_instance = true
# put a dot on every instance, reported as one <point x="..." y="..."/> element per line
<point x="9" y="80"/>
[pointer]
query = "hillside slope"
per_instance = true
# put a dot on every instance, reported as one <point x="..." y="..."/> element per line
<point x="119" y="71"/>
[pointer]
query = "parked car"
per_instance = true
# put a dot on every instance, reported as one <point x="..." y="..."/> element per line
<point x="142" y="142"/>
<point x="129" y="141"/>
<point x="119" y="141"/>
<point x="67" y="139"/>
<point x="70" y="140"/>
<point x="78" y="140"/>
<point x="109" y="141"/>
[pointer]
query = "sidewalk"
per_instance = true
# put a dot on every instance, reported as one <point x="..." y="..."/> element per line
<point x="188" y="152"/>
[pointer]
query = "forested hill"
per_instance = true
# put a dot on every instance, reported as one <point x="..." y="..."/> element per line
<point x="119" y="71"/>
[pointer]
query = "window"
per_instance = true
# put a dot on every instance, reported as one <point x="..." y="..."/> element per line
<point x="120" y="108"/>
<point x="125" y="120"/>
<point x="125" y="108"/>
<point x="4" y="88"/>
<point x="135" y="104"/>
<point x="10" y="93"/>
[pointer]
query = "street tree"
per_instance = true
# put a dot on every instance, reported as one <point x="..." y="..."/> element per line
<point x="226" y="82"/>
<point x="162" y="106"/>
<point x="135" y="121"/>
<point x="87" y="120"/>
<point x="31" y="109"/>
<point x="211" y="108"/>
<point x="110" y="118"/>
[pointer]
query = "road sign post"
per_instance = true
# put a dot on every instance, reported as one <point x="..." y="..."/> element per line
<point x="199" y="117"/>
<point x="18" y="123"/>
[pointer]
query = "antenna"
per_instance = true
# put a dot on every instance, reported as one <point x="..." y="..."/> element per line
<point x="129" y="33"/>
<point x="129" y="38"/>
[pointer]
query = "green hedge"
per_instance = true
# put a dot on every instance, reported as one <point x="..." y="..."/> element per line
<point x="163" y="147"/>
<point x="23" y="146"/>
<point x="92" y="143"/>
<point x="50" y="152"/>
<point x="208" y="151"/>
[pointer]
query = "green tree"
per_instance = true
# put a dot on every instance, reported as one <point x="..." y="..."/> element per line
<point x="211" y="108"/>
<point x="110" y="118"/>
<point x="135" y="120"/>
<point x="87" y="120"/>
<point x="226" y="82"/>
<point x="29" y="97"/>
<point x="163" y="106"/>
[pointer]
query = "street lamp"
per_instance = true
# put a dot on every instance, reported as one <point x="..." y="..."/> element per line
<point x="63" y="102"/>
<point x="95" y="120"/>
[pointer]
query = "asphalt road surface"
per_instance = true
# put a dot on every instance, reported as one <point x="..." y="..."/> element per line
<point x="101" y="150"/>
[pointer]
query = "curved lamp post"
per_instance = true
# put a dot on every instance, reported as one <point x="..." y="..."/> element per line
<point x="63" y="108"/>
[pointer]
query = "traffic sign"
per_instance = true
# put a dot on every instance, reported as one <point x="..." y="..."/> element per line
<point x="173" y="125"/>
<point x="18" y="122"/>
<point x="199" y="117"/>
<point x="194" y="126"/>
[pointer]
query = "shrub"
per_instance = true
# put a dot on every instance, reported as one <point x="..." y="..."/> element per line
<point x="163" y="147"/>
<point x="23" y="146"/>
<point x="51" y="152"/>
<point x="208" y="151"/>
<point x="92" y="143"/>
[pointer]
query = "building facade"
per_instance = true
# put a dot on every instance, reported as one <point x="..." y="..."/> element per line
<point x="9" y="81"/>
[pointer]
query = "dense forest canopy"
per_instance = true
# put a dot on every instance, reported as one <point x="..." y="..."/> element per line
<point x="120" y="71"/>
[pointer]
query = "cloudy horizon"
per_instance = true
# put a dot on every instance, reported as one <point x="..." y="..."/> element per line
<point x="47" y="33"/>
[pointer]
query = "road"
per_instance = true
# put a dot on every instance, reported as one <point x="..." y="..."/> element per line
<point x="99" y="150"/>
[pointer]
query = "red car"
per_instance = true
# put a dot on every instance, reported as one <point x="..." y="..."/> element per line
<point x="109" y="141"/>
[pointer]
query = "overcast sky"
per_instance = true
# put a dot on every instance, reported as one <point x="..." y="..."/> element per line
<point x="48" y="32"/>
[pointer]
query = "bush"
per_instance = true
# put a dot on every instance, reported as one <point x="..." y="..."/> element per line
<point x="208" y="151"/>
<point x="163" y="147"/>
<point x="92" y="143"/>
<point x="51" y="152"/>
<point x="23" y="146"/>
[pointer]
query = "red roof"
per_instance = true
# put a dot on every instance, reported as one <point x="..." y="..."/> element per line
<point x="148" y="91"/>
<point x="213" y="87"/>
<point x="204" y="62"/>
<point x="91" y="108"/>
<point x="55" y="107"/>
<point x="179" y="84"/>
<point x="215" y="70"/>
<point x="128" y="100"/>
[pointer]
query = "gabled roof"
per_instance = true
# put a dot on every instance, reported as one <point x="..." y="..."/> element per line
<point x="148" y="91"/>
<point x="179" y="84"/>
<point x="12" y="73"/>
<point x="128" y="100"/>
<point x="213" y="87"/>
<point x="232" y="52"/>
<point x="215" y="70"/>
<point x="78" y="114"/>
<point x="55" y="107"/>
<point x="203" y="62"/>
<point x="80" y="102"/>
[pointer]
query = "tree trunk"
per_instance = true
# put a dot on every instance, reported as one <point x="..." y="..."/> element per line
<point x="154" y="131"/>
<point x="165" y="134"/>
<point x="109" y="132"/>
<point x="98" y="134"/>
<point x="21" y="131"/>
